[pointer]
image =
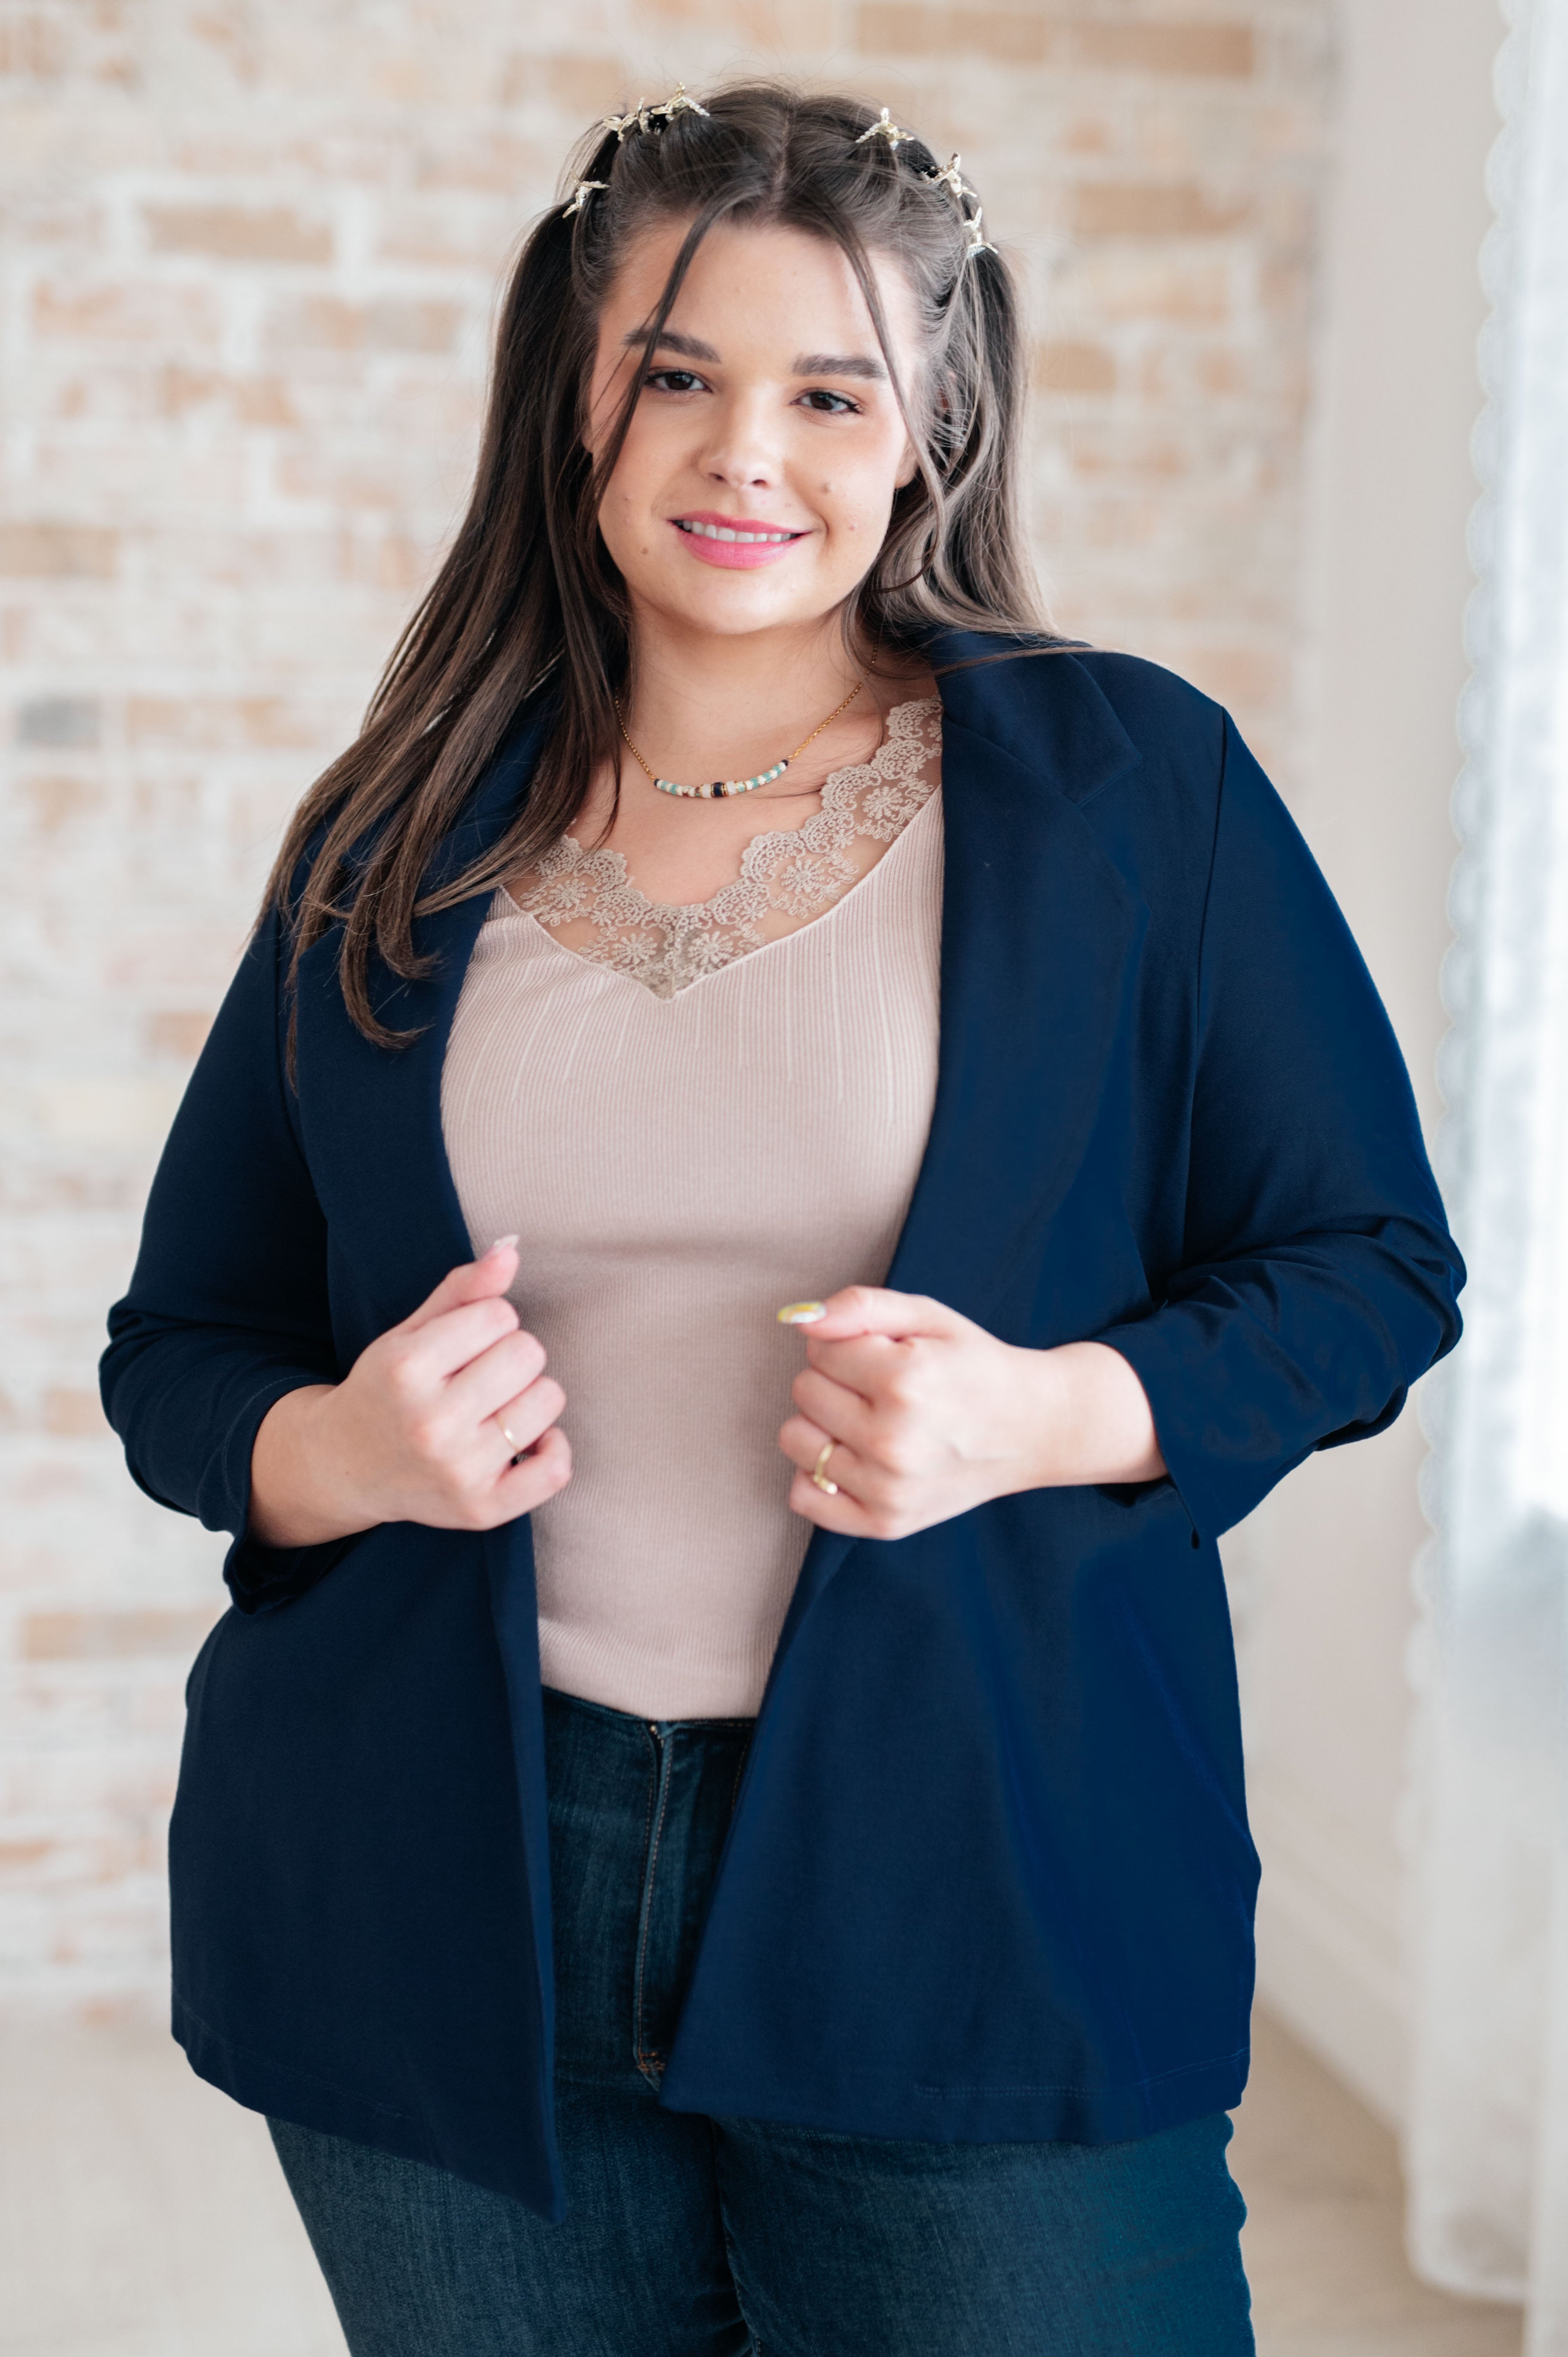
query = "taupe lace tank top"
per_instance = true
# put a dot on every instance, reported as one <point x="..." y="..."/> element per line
<point x="691" y="1116"/>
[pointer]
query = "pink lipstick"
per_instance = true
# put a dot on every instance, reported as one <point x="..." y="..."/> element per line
<point x="738" y="543"/>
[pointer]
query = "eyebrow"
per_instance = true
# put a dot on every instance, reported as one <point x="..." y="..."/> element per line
<point x="840" y="364"/>
<point x="691" y="347"/>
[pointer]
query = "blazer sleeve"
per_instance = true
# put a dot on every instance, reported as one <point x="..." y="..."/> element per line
<point x="228" y="1305"/>
<point x="1318" y="1278"/>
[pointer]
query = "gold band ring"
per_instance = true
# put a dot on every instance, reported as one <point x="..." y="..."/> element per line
<point x="515" y="1444"/>
<point x="818" y="1476"/>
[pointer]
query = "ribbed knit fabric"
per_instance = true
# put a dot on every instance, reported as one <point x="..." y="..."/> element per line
<point x="676" y="1168"/>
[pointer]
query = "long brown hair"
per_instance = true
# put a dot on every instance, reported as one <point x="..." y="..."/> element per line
<point x="529" y="594"/>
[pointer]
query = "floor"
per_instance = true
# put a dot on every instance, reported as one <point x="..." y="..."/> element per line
<point x="1324" y="2239"/>
<point x="143" y="2215"/>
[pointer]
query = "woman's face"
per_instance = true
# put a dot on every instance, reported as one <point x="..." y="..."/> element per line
<point x="767" y="412"/>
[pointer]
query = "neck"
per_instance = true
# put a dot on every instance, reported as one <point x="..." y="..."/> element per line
<point x="723" y="702"/>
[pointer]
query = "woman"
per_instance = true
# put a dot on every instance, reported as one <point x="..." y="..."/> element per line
<point x="847" y="1946"/>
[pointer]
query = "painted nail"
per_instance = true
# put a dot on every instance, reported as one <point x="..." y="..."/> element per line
<point x="499" y="1244"/>
<point x="801" y="1313"/>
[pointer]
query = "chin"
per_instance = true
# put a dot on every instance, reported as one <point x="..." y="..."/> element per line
<point x="729" y="616"/>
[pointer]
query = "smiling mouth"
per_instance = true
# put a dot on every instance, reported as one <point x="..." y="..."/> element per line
<point x="723" y="531"/>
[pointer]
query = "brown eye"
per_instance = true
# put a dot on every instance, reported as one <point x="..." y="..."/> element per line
<point x="828" y="404"/>
<point x="673" y="381"/>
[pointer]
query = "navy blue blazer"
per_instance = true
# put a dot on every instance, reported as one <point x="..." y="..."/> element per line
<point x="989" y="1876"/>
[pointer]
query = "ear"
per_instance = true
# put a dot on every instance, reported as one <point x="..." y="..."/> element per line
<point x="909" y="465"/>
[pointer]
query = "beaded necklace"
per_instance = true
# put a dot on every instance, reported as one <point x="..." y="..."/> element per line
<point x="739" y="785"/>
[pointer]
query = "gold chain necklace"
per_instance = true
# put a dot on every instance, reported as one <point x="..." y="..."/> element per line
<point x="720" y="786"/>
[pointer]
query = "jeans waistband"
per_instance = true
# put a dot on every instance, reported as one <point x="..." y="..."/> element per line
<point x="555" y="1697"/>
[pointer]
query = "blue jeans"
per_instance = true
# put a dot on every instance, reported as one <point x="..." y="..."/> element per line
<point x="697" y="2237"/>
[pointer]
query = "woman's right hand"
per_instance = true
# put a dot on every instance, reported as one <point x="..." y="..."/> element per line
<point x="412" y="1434"/>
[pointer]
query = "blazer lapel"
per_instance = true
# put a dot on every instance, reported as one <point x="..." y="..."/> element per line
<point x="1037" y="932"/>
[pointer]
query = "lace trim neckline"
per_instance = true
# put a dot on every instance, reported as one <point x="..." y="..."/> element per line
<point x="839" y="789"/>
<point x="788" y="875"/>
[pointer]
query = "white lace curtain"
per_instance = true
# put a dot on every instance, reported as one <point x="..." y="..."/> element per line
<point x="1488" y="2136"/>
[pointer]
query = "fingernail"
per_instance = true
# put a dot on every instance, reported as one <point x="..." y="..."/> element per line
<point x="801" y="1313"/>
<point x="499" y="1244"/>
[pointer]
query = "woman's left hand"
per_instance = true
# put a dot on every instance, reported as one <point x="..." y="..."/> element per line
<point x="930" y="1415"/>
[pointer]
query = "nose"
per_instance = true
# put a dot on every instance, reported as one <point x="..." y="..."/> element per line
<point x="741" y="452"/>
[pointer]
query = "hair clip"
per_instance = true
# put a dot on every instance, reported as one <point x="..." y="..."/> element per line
<point x="641" y="116"/>
<point x="958" y="187"/>
<point x="885" y="128"/>
<point x="952" y="179"/>
<point x="678" y="103"/>
<point x="583" y="192"/>
<point x="975" y="242"/>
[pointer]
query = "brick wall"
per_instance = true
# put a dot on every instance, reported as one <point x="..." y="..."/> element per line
<point x="250" y="264"/>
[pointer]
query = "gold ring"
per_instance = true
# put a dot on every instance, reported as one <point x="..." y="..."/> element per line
<point x="516" y="1444"/>
<point x="818" y="1476"/>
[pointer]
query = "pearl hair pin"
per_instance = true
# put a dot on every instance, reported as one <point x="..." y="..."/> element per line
<point x="583" y="192"/>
